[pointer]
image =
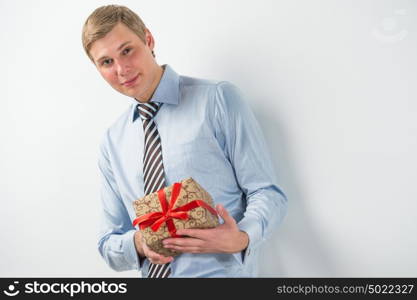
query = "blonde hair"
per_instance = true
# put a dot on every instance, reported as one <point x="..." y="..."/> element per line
<point x="102" y="21"/>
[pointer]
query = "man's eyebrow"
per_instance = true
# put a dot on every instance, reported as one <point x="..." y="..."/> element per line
<point x="120" y="47"/>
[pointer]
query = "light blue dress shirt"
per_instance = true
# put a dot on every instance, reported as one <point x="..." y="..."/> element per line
<point x="209" y="133"/>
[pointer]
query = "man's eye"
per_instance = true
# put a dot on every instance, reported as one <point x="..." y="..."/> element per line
<point x="126" y="51"/>
<point x="106" y="62"/>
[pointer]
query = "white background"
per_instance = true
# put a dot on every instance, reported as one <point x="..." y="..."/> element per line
<point x="333" y="84"/>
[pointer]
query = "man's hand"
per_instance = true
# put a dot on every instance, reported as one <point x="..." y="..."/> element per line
<point x="144" y="251"/>
<point x="225" y="238"/>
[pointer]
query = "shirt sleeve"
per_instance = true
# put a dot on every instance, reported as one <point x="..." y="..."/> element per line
<point x="245" y="147"/>
<point x="116" y="234"/>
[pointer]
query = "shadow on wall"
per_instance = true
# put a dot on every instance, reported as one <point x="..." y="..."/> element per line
<point x="295" y="249"/>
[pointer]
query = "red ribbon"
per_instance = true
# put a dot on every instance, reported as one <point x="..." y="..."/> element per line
<point x="156" y="219"/>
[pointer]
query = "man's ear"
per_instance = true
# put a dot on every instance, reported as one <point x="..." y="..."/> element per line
<point x="150" y="42"/>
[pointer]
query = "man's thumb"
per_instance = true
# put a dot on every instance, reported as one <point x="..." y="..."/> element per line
<point x="224" y="214"/>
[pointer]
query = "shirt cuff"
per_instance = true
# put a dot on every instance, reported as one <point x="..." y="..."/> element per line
<point x="251" y="226"/>
<point x="129" y="250"/>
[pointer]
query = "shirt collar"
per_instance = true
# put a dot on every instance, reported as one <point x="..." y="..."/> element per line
<point x="166" y="92"/>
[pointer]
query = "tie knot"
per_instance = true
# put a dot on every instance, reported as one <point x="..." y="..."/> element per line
<point x="148" y="110"/>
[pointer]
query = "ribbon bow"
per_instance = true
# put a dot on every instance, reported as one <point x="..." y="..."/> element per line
<point x="156" y="219"/>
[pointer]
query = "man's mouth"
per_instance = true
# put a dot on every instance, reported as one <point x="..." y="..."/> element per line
<point x="130" y="81"/>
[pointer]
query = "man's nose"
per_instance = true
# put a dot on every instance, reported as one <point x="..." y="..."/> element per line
<point x="122" y="69"/>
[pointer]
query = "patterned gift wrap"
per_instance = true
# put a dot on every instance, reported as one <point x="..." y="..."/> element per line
<point x="182" y="205"/>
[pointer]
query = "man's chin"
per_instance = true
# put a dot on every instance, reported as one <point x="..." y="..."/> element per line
<point x="127" y="92"/>
<point x="130" y="92"/>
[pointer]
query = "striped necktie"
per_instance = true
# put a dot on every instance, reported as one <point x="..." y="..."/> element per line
<point x="153" y="168"/>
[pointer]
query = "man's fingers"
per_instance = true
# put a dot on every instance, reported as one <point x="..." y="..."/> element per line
<point x="159" y="259"/>
<point x="195" y="233"/>
<point x="156" y="258"/>
<point x="188" y="249"/>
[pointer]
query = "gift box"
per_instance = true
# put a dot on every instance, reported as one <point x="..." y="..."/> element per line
<point x="182" y="205"/>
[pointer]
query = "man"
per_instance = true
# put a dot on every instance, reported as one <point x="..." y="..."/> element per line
<point x="178" y="127"/>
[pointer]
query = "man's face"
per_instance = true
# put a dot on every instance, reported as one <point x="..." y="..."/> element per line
<point x="127" y="63"/>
